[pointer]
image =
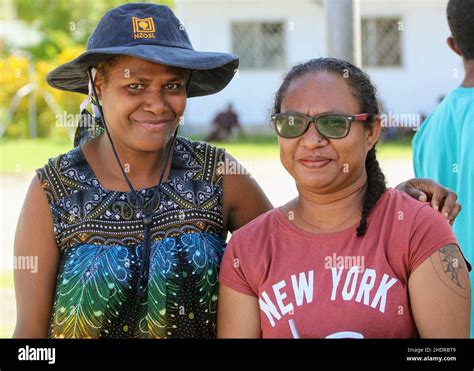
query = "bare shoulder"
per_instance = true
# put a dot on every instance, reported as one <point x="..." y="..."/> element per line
<point x="35" y="229"/>
<point x="36" y="202"/>
<point x="243" y="198"/>
<point x="238" y="179"/>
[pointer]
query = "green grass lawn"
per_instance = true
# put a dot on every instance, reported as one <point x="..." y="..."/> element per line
<point x="26" y="155"/>
<point x="267" y="147"/>
<point x="18" y="156"/>
<point x="6" y="279"/>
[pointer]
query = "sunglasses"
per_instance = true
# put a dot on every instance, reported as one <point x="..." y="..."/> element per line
<point x="328" y="125"/>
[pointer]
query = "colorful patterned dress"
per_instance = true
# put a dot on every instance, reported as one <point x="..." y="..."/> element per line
<point x="100" y="233"/>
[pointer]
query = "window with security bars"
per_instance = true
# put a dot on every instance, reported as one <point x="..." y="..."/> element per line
<point x="259" y="45"/>
<point x="381" y="42"/>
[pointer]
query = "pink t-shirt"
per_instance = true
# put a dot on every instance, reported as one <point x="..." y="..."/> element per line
<point x="337" y="284"/>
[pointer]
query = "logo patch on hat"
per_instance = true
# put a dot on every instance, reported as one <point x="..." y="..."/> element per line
<point x="143" y="28"/>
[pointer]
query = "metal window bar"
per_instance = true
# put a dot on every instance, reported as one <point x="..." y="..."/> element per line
<point x="259" y="44"/>
<point x="381" y="42"/>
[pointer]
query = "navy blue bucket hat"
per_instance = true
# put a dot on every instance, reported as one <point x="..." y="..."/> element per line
<point x="153" y="33"/>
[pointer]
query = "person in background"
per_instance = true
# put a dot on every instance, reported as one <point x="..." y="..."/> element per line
<point x="224" y="125"/>
<point x="442" y="147"/>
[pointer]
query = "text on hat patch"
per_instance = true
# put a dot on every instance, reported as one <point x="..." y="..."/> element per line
<point x="143" y="28"/>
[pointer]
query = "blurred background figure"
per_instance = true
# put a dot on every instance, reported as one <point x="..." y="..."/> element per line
<point x="224" y="126"/>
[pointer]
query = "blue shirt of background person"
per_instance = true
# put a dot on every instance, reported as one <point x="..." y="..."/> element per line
<point x="442" y="148"/>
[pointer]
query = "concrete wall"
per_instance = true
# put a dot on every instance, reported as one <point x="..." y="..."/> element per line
<point x="428" y="70"/>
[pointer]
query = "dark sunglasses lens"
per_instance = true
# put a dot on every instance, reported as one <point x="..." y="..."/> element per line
<point x="290" y="126"/>
<point x="333" y="126"/>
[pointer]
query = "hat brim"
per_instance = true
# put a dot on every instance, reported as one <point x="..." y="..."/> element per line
<point x="211" y="71"/>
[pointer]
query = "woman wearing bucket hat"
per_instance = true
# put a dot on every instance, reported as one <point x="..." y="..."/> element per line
<point x="132" y="229"/>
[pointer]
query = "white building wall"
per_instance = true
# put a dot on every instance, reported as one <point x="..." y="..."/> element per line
<point x="428" y="68"/>
<point x="428" y="65"/>
<point x="208" y="23"/>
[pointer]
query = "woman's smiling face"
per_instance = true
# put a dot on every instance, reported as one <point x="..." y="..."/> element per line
<point x="142" y="102"/>
<point x="327" y="165"/>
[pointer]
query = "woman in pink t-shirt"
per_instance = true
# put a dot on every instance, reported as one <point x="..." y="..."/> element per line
<point x="347" y="257"/>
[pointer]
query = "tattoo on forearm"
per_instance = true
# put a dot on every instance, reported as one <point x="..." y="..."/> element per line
<point x="454" y="268"/>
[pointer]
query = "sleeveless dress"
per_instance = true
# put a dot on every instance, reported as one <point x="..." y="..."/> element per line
<point x="99" y="233"/>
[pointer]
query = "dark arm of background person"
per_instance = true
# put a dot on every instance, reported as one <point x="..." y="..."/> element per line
<point x="441" y="198"/>
<point x="35" y="291"/>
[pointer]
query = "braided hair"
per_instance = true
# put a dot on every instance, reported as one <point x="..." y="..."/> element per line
<point x="365" y="93"/>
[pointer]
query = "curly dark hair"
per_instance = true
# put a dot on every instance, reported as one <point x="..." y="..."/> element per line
<point x="461" y="22"/>
<point x="365" y="93"/>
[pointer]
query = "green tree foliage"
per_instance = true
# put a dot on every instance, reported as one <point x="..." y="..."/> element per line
<point x="65" y="23"/>
<point x="64" y="26"/>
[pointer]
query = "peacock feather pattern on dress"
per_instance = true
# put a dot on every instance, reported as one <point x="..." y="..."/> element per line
<point x="99" y="233"/>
